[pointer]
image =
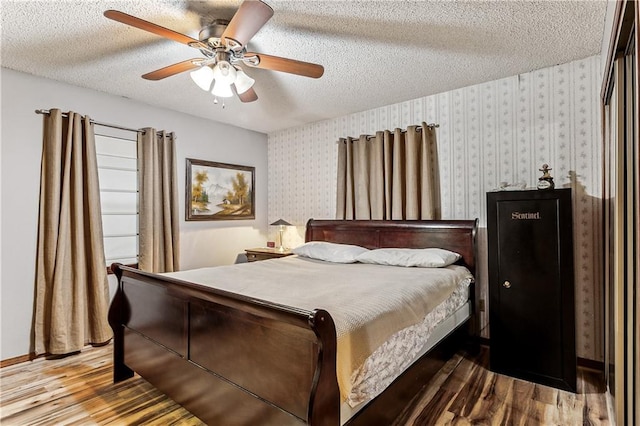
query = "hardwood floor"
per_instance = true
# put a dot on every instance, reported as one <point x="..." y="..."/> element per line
<point x="78" y="390"/>
<point x="465" y="392"/>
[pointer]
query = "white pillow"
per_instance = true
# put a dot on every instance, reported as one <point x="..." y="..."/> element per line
<point x="424" y="258"/>
<point x="331" y="252"/>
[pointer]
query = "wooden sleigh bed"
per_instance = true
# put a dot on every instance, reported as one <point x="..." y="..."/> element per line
<point x="235" y="360"/>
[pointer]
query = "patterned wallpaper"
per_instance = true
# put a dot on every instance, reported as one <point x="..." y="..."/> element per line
<point x="500" y="131"/>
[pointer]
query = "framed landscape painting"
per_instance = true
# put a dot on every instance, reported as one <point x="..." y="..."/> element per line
<point x="219" y="191"/>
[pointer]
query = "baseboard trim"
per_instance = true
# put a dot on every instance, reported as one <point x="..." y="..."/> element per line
<point x="18" y="359"/>
<point x="590" y="364"/>
<point x="32" y="356"/>
<point x="484" y="341"/>
<point x="586" y="363"/>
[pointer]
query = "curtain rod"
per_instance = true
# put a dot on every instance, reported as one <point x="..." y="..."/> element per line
<point x="115" y="126"/>
<point x="419" y="128"/>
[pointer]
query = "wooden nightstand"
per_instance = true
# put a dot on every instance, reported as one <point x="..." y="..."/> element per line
<point x="264" y="253"/>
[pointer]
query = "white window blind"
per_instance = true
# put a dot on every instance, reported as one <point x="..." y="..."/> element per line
<point x="118" y="177"/>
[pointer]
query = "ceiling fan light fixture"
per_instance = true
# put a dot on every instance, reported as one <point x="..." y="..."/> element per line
<point x="203" y="77"/>
<point x="224" y="72"/>
<point x="221" y="89"/>
<point x="223" y="44"/>
<point x="243" y="81"/>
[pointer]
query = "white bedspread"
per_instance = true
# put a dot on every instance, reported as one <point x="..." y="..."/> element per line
<point x="368" y="303"/>
<point x="391" y="358"/>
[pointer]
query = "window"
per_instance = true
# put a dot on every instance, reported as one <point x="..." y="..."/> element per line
<point x="116" y="151"/>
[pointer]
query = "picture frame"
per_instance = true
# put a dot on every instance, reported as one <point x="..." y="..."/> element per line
<point x="219" y="191"/>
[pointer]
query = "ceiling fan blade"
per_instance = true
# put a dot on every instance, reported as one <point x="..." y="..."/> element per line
<point x="292" y="66"/>
<point x="248" y="96"/>
<point x="151" y="27"/>
<point x="247" y="21"/>
<point x="174" y="69"/>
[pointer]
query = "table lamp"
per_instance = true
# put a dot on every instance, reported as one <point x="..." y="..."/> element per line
<point x="281" y="223"/>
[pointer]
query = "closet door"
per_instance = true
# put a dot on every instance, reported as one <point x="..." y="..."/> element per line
<point x="621" y="254"/>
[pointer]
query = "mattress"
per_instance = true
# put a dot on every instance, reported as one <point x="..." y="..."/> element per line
<point x="368" y="303"/>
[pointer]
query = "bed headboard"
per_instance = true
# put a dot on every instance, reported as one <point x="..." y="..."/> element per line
<point x="454" y="235"/>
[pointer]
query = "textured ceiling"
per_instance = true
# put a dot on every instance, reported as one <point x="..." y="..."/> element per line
<point x="375" y="53"/>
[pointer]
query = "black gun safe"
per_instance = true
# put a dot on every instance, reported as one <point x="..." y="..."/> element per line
<point x="531" y="286"/>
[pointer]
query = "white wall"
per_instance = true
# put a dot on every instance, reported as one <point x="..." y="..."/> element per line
<point x="202" y="243"/>
<point x="502" y="130"/>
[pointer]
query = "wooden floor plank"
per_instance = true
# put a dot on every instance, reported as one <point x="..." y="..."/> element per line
<point x="470" y="392"/>
<point x="435" y="411"/>
<point x="79" y="390"/>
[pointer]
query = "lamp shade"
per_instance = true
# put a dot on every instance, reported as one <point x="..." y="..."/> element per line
<point x="243" y="82"/>
<point x="203" y="77"/>
<point x="281" y="222"/>
<point x="222" y="89"/>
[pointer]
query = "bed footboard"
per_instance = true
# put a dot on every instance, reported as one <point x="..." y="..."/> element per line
<point x="226" y="358"/>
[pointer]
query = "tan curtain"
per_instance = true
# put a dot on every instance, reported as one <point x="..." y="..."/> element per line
<point x="392" y="175"/>
<point x="159" y="229"/>
<point x="72" y="293"/>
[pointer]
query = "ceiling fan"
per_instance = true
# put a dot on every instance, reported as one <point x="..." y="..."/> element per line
<point x="224" y="45"/>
